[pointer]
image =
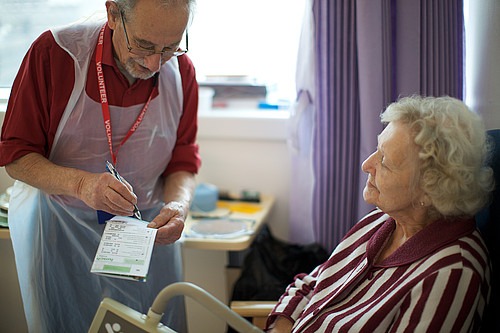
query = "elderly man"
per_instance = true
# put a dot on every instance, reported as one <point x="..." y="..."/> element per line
<point x="96" y="91"/>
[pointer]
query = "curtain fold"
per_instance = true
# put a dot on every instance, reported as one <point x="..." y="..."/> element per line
<point x="369" y="53"/>
<point x="336" y="141"/>
<point x="300" y="137"/>
<point x="483" y="54"/>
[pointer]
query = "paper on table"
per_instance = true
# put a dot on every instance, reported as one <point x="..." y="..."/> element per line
<point x="220" y="228"/>
<point x="125" y="249"/>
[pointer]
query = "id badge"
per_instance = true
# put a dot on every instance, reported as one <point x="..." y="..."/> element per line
<point x="103" y="216"/>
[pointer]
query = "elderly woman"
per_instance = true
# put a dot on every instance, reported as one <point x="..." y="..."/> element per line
<point x="416" y="263"/>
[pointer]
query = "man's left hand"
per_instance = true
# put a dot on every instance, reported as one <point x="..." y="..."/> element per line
<point x="170" y="223"/>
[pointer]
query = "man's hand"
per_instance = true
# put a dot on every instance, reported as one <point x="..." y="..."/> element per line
<point x="170" y="223"/>
<point x="98" y="190"/>
<point x="104" y="192"/>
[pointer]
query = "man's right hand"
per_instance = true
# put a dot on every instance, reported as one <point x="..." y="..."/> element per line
<point x="100" y="191"/>
<point x="104" y="192"/>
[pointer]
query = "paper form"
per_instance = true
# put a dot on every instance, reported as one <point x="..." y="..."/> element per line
<point x="125" y="249"/>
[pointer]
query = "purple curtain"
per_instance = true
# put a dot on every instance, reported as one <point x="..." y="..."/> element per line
<point x="369" y="53"/>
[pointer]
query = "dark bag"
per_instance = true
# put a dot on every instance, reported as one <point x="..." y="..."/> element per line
<point x="270" y="266"/>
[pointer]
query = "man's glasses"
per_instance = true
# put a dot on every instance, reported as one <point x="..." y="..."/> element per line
<point x="142" y="52"/>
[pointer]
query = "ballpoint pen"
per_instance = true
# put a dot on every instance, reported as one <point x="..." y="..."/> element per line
<point x="110" y="167"/>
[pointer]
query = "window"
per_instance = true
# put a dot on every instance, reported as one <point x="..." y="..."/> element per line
<point x="23" y="20"/>
<point x="255" y="39"/>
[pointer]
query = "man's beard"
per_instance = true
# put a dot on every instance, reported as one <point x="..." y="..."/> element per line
<point x="131" y="67"/>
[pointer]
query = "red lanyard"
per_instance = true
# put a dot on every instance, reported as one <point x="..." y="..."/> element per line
<point x="104" y="101"/>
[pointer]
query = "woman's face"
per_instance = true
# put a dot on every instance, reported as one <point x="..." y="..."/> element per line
<point x="393" y="172"/>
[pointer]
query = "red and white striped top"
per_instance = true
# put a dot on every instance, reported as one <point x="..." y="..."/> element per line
<point x="437" y="281"/>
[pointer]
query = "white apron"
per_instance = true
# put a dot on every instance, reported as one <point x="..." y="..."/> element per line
<point x="55" y="238"/>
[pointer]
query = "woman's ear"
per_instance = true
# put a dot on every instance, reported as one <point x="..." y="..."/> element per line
<point x="425" y="200"/>
<point x="113" y="14"/>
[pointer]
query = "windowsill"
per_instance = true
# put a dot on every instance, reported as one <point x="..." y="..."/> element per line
<point x="243" y="124"/>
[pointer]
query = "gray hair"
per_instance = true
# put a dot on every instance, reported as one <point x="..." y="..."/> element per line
<point x="127" y="6"/>
<point x="453" y="152"/>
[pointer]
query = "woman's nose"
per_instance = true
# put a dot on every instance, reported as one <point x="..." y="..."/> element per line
<point x="367" y="165"/>
<point x="153" y="62"/>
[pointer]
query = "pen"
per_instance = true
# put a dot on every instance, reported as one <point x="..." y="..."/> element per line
<point x="115" y="173"/>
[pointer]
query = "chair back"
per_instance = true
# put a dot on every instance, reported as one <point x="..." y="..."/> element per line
<point x="488" y="222"/>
